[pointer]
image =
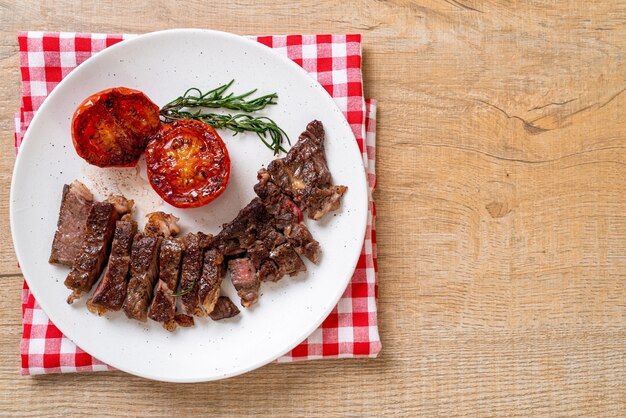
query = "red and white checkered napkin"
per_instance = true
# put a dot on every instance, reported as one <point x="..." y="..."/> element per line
<point x="351" y="329"/>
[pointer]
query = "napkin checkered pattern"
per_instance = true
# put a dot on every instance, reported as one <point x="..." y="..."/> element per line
<point x="351" y="329"/>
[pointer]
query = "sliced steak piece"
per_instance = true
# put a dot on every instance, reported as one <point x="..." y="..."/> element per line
<point x="144" y="263"/>
<point x="68" y="239"/>
<point x="268" y="271"/>
<point x="287" y="260"/>
<point x="163" y="306"/>
<point x="190" y="272"/>
<point x="304" y="176"/>
<point x="211" y="279"/>
<point x="258" y="253"/>
<point x="270" y="193"/>
<point x="111" y="291"/>
<point x="288" y="220"/>
<point x="245" y="280"/>
<point x="239" y="234"/>
<point x="184" y="321"/>
<point x="99" y="230"/>
<point x="224" y="308"/>
<point x="273" y="239"/>
<point x="143" y="275"/>
<point x="302" y="241"/>
<point x="257" y="233"/>
<point x="287" y="214"/>
<point x="169" y="261"/>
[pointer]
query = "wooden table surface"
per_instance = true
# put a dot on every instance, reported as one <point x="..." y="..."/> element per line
<point x="501" y="212"/>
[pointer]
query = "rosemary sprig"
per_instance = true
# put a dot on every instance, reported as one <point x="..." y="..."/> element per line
<point x="185" y="291"/>
<point x="265" y="128"/>
<point x="215" y="98"/>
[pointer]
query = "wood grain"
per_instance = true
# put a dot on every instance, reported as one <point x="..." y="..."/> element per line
<point x="501" y="201"/>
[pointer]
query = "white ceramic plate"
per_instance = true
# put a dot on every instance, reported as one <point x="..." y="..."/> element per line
<point x="163" y="65"/>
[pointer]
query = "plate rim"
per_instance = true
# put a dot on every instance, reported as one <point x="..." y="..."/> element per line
<point x="20" y="160"/>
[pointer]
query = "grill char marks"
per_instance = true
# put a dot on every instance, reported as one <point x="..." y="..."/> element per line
<point x="111" y="291"/>
<point x="304" y="176"/>
<point x="143" y="273"/>
<point x="190" y="272"/>
<point x="75" y="207"/>
<point x="211" y="279"/>
<point x="96" y="246"/>
<point x="169" y="261"/>
<point x="144" y="263"/>
<point x="163" y="306"/>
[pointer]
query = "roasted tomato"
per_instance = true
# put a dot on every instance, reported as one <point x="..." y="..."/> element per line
<point x="188" y="163"/>
<point x="111" y="128"/>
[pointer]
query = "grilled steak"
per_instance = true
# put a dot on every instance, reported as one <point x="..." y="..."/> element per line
<point x="183" y="320"/>
<point x="211" y="279"/>
<point x="169" y="261"/>
<point x="303" y="242"/>
<point x="287" y="219"/>
<point x="259" y="256"/>
<point x="111" y="291"/>
<point x="258" y="253"/>
<point x="256" y="237"/>
<point x="303" y="174"/>
<point x="190" y="272"/>
<point x="268" y="271"/>
<point x="224" y="308"/>
<point x="245" y="280"/>
<point x="287" y="260"/>
<point x="144" y="264"/>
<point x="68" y="239"/>
<point x="163" y="307"/>
<point x="250" y="223"/>
<point x="264" y="242"/>
<point x="143" y="273"/>
<point x="264" y="222"/>
<point x="273" y="239"/>
<point x="99" y="230"/>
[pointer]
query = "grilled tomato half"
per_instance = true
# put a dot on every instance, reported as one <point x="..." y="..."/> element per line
<point x="111" y="128"/>
<point x="188" y="163"/>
